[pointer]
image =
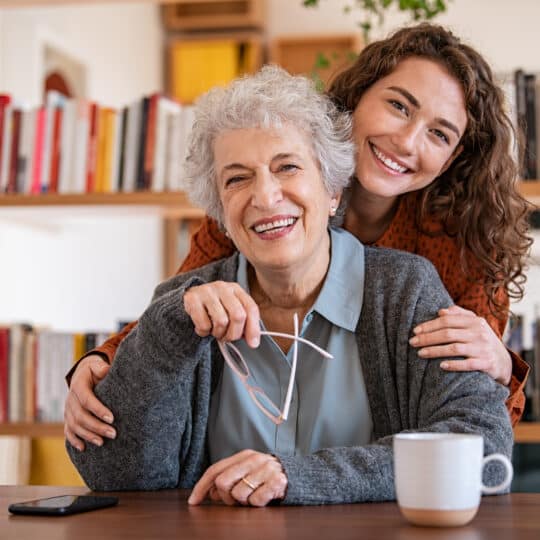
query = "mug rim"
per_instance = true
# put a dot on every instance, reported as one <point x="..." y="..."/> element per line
<point x="435" y="436"/>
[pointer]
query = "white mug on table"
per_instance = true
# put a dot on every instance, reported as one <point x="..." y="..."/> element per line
<point x="438" y="477"/>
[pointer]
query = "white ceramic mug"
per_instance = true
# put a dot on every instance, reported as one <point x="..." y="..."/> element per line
<point x="438" y="477"/>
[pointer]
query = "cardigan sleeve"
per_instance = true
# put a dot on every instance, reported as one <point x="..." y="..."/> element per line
<point x="208" y="244"/>
<point x="406" y="393"/>
<point x="157" y="406"/>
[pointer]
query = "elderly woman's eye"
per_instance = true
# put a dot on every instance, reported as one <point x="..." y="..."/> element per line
<point x="234" y="180"/>
<point x="288" y="167"/>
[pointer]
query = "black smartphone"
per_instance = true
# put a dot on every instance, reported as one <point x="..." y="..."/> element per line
<point x="62" y="505"/>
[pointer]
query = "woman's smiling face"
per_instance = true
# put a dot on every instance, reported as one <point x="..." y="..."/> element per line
<point x="275" y="205"/>
<point x="407" y="128"/>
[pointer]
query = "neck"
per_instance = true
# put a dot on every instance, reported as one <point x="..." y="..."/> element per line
<point x="368" y="215"/>
<point x="280" y="293"/>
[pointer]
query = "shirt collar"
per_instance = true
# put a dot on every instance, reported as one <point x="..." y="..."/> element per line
<point x="341" y="296"/>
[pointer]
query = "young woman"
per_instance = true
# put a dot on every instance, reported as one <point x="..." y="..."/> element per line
<point x="434" y="176"/>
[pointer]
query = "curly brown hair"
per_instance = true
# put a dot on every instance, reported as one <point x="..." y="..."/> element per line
<point x="476" y="198"/>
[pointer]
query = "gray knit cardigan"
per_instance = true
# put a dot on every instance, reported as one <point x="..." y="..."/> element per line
<point x="160" y="384"/>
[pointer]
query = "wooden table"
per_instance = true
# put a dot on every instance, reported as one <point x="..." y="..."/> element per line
<point x="166" y="515"/>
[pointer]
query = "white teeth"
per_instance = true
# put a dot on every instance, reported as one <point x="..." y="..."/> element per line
<point x="278" y="224"/>
<point x="387" y="161"/>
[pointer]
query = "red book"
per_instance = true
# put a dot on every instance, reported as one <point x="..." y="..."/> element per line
<point x="15" y="136"/>
<point x="38" y="151"/>
<point x="4" y="363"/>
<point x="5" y="100"/>
<point x="92" y="149"/>
<point x="55" y="150"/>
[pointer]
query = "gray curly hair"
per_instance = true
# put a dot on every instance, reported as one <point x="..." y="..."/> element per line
<point x="267" y="99"/>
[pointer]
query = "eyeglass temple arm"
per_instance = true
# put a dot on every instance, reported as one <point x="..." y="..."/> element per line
<point x="298" y="338"/>
<point x="288" y="397"/>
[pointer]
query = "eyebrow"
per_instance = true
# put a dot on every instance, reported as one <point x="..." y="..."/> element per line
<point x="282" y="155"/>
<point x="415" y="103"/>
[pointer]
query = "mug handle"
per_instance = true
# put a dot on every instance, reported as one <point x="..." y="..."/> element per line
<point x="489" y="490"/>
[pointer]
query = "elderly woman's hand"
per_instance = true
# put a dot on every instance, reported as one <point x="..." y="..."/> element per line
<point x="225" y="311"/>
<point x="248" y="478"/>
<point x="460" y="332"/>
<point x="83" y="411"/>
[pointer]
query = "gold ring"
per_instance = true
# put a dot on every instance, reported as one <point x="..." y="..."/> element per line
<point x="248" y="483"/>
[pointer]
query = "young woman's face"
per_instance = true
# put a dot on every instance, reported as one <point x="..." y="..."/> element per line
<point x="407" y="128"/>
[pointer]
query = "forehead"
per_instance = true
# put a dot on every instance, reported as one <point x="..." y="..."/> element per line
<point x="252" y="145"/>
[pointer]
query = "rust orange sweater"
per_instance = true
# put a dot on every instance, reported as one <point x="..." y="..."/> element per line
<point x="209" y="244"/>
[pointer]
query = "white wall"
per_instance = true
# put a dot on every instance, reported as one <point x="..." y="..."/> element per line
<point x="81" y="268"/>
<point x="506" y="34"/>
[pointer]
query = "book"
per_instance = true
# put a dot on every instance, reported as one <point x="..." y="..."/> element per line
<point x="53" y="100"/>
<point x="5" y="101"/>
<point x="26" y="150"/>
<point x="66" y="171"/>
<point x="14" y="151"/>
<point x="91" y="163"/>
<point x="55" y="150"/>
<point x="131" y="146"/>
<point x="143" y="131"/>
<point x="530" y="123"/>
<point x="81" y="145"/>
<point x="4" y="373"/>
<point x="150" y="142"/>
<point x="37" y="160"/>
<point x="5" y="156"/>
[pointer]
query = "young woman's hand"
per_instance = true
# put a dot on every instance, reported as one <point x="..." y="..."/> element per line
<point x="85" y="417"/>
<point x="247" y="478"/>
<point x="460" y="332"/>
<point x="223" y="310"/>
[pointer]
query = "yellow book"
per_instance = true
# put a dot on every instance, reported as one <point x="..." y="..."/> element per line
<point x="197" y="66"/>
<point x="79" y="347"/>
<point x="108" y="141"/>
<point x="100" y="150"/>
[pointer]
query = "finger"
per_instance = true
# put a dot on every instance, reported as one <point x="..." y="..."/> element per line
<point x="261" y="485"/>
<point x="252" y="330"/>
<point x="446" y="321"/>
<point x="73" y="439"/>
<point x="89" y="402"/>
<point x="72" y="425"/>
<point x="194" y="306"/>
<point x="470" y="364"/>
<point x="442" y="337"/>
<point x="447" y="351"/>
<point x="236" y="314"/>
<point x="455" y="309"/>
<point x="78" y="417"/>
<point x="274" y="488"/>
<point x="99" y="370"/>
<point x="214" y="476"/>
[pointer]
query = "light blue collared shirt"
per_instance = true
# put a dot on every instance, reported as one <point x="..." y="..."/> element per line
<point x="329" y="407"/>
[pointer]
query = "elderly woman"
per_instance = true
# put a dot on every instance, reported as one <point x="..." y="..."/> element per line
<point x="269" y="158"/>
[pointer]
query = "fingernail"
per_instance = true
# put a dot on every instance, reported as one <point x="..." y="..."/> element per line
<point x="445" y="365"/>
<point x="414" y="340"/>
<point x="111" y="434"/>
<point x="108" y="418"/>
<point x="190" y="499"/>
<point x="97" y="442"/>
<point x="79" y="448"/>
<point x="422" y="352"/>
<point x="417" y="330"/>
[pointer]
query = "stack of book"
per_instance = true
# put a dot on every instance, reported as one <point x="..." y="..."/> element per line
<point x="79" y="146"/>
<point x="33" y="364"/>
<point x="523" y="94"/>
<point x="514" y="339"/>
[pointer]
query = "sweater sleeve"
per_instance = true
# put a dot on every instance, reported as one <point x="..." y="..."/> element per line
<point x="412" y="395"/>
<point x="208" y="244"/>
<point x="152" y="392"/>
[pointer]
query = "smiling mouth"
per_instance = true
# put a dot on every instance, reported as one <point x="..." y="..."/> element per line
<point x="387" y="162"/>
<point x="274" y="226"/>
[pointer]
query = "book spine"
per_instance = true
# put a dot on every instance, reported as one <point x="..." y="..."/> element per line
<point x="14" y="152"/>
<point x="530" y="96"/>
<point x="142" y="144"/>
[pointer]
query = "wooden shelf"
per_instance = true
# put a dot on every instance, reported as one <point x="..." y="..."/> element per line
<point x="45" y="3"/>
<point x="530" y="189"/>
<point x="524" y="432"/>
<point x="171" y="204"/>
<point x="32" y="429"/>
<point x="527" y="432"/>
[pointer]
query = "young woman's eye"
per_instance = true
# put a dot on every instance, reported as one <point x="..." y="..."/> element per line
<point x="439" y="134"/>
<point x="398" y="106"/>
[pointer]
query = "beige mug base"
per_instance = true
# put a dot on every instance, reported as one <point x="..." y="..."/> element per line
<point x="438" y="518"/>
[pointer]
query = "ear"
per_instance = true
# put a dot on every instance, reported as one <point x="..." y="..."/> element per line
<point x="450" y="160"/>
<point x="334" y="204"/>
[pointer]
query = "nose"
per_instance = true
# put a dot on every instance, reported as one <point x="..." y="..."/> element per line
<point x="407" y="138"/>
<point x="266" y="190"/>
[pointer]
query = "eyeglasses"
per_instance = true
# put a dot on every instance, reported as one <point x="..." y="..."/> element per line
<point x="236" y="362"/>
